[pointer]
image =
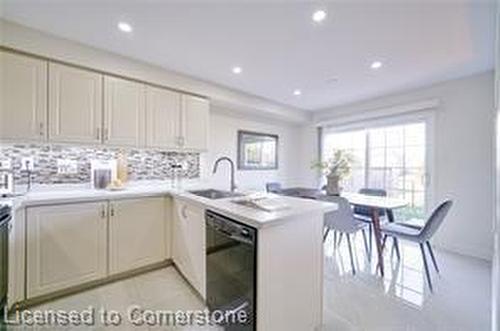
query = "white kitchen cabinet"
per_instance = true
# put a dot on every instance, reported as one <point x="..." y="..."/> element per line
<point x="23" y="97"/>
<point x="195" y="123"/>
<point x="497" y="57"/>
<point x="124" y="112"/>
<point x="66" y="246"/>
<point x="75" y="104"/>
<point x="188" y="243"/>
<point x="16" y="261"/>
<point x="163" y="117"/>
<point x="137" y="233"/>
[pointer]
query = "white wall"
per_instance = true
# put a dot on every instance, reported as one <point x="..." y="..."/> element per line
<point x="464" y="157"/>
<point x="224" y="125"/>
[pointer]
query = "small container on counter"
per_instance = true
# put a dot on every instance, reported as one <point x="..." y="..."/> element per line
<point x="176" y="175"/>
<point x="122" y="167"/>
<point x="102" y="173"/>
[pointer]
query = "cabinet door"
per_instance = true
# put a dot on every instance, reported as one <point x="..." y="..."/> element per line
<point x="163" y="117"/>
<point x="195" y="122"/>
<point x="124" y="112"/>
<point x="66" y="246"/>
<point x="189" y="246"/>
<point x="75" y="105"/>
<point x="23" y="95"/>
<point x="497" y="63"/>
<point x="136" y="233"/>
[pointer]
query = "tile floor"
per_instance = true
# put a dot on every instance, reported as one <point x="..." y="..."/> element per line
<point x="163" y="289"/>
<point x="400" y="301"/>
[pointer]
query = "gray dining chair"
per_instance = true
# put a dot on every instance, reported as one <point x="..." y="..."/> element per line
<point x="342" y="221"/>
<point x="420" y="235"/>
<point x="364" y="214"/>
<point x="273" y="187"/>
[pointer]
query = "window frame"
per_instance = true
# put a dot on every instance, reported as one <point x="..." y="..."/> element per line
<point x="241" y="162"/>
<point x="428" y="117"/>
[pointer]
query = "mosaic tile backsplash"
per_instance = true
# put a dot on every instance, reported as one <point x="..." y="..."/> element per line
<point x="143" y="164"/>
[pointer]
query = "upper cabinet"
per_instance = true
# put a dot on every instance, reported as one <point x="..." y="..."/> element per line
<point x="87" y="107"/>
<point x="124" y="112"/>
<point x="163" y="117"/>
<point x="195" y="122"/>
<point x="176" y="120"/>
<point x="23" y="97"/>
<point x="497" y="57"/>
<point x="75" y="104"/>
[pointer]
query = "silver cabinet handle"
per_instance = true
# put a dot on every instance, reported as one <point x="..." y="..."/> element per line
<point x="112" y="210"/>
<point x="183" y="212"/>
<point x="103" y="211"/>
<point x="105" y="134"/>
<point x="41" y="126"/>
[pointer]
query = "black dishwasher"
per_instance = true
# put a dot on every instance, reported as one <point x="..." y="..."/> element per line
<point x="5" y="217"/>
<point x="231" y="269"/>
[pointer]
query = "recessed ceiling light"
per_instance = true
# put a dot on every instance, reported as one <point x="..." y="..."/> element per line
<point x="237" y="70"/>
<point x="125" y="27"/>
<point x="297" y="92"/>
<point x="376" y="65"/>
<point x="319" y="15"/>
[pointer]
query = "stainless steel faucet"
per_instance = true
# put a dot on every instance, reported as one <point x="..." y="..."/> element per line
<point x="225" y="158"/>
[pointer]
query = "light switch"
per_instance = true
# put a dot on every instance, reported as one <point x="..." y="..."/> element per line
<point x="67" y="167"/>
<point x="5" y="164"/>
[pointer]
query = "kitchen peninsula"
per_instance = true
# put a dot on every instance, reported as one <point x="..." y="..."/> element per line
<point x="66" y="240"/>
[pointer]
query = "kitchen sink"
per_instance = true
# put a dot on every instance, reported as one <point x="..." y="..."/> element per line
<point x="216" y="194"/>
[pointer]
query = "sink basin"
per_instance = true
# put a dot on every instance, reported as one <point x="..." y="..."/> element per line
<point x="215" y="194"/>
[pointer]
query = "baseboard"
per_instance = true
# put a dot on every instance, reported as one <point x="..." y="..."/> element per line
<point x="87" y="286"/>
<point x="473" y="253"/>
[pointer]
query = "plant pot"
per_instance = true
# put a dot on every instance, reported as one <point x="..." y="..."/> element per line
<point x="332" y="185"/>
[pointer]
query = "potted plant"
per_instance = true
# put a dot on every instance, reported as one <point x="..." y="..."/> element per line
<point x="335" y="169"/>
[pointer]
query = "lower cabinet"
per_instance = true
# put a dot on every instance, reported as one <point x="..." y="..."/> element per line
<point x="66" y="246"/>
<point x="188" y="243"/>
<point x="136" y="233"/>
<point x="72" y="244"/>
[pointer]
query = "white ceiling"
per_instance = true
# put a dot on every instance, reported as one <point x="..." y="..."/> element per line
<point x="279" y="47"/>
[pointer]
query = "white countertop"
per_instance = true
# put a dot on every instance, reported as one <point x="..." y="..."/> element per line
<point x="59" y="194"/>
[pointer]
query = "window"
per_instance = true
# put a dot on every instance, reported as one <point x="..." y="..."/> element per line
<point x="391" y="158"/>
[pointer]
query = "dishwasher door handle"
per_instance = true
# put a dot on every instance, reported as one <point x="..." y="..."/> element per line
<point x="234" y="237"/>
<point x="5" y="221"/>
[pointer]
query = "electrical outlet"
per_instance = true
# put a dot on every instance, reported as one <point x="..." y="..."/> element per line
<point x="27" y="164"/>
<point x="66" y="167"/>
<point x="5" y="164"/>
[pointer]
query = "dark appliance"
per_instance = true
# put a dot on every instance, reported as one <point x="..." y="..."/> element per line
<point x="5" y="218"/>
<point x="231" y="269"/>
